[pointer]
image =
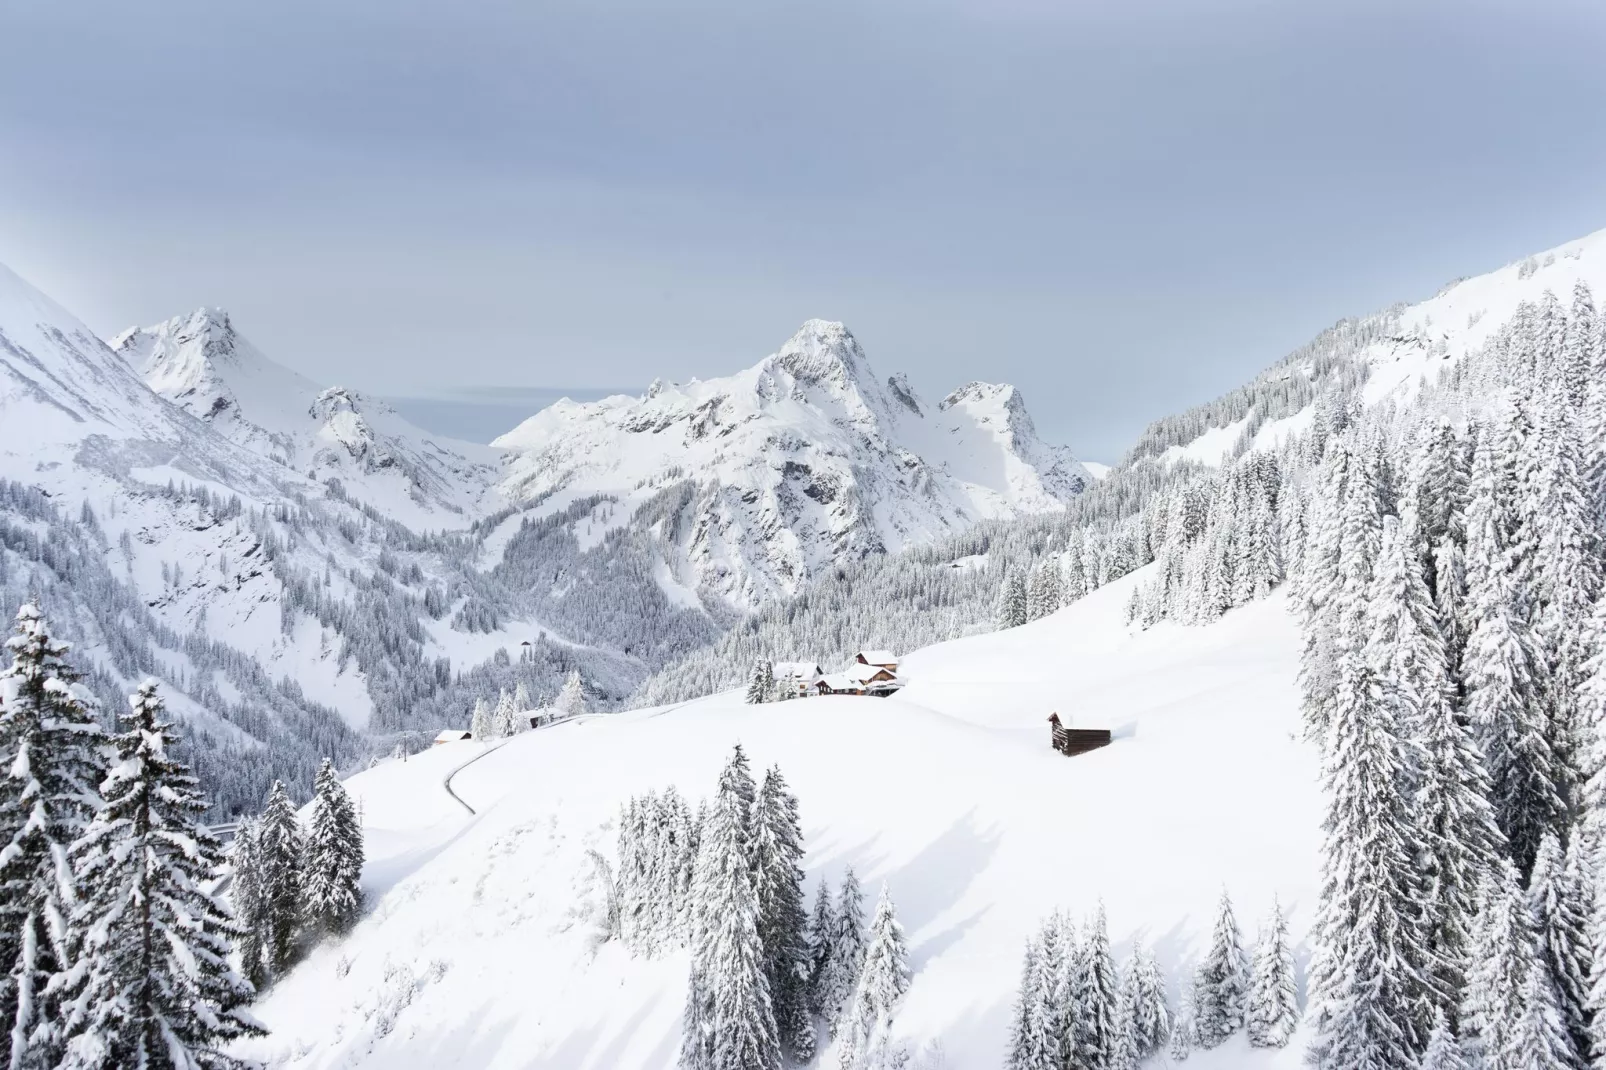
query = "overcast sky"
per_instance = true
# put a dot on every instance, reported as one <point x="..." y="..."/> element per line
<point x="1121" y="208"/>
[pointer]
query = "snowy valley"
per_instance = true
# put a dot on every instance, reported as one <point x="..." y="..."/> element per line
<point x="1343" y="625"/>
<point x="1373" y="570"/>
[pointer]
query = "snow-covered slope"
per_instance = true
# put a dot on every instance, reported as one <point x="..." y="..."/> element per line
<point x="803" y="459"/>
<point x="478" y="950"/>
<point x="202" y="364"/>
<point x="1397" y="351"/>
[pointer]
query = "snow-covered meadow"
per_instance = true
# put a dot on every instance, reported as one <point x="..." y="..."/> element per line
<point x="481" y="946"/>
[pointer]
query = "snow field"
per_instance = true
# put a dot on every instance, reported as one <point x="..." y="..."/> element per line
<point x="480" y="950"/>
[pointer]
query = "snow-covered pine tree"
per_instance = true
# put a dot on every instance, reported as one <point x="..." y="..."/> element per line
<point x="1491" y="1003"/>
<point x="156" y="988"/>
<point x="783" y="922"/>
<point x="522" y="701"/>
<point x="245" y="893"/>
<point x="729" y="1021"/>
<point x="1541" y="1041"/>
<point x="50" y="751"/>
<point x="822" y="931"/>
<point x="1221" y="984"/>
<point x="1461" y="841"/>
<point x="504" y="718"/>
<point x="1499" y="668"/>
<point x="1043" y="597"/>
<point x="761" y="683"/>
<point x="1273" y="997"/>
<point x="1094" y="999"/>
<point x="1020" y="1055"/>
<point x="1405" y="651"/>
<point x="1561" y="934"/>
<point x="1044" y="1036"/>
<point x="1146" y="1000"/>
<point x="1367" y="992"/>
<point x="481" y="725"/>
<point x="572" y="699"/>
<point x="1443" y="1052"/>
<point x="841" y="974"/>
<point x="279" y="853"/>
<point x="1011" y="600"/>
<point x="1124" y="1055"/>
<point x="332" y="869"/>
<point x="883" y="980"/>
<point x="1184" y="1037"/>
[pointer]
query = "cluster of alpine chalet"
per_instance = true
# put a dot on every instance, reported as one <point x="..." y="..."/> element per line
<point x="766" y="976"/>
<point x="114" y="949"/>
<point x="295" y="886"/>
<point x="1448" y="578"/>
<point x="1074" y="1011"/>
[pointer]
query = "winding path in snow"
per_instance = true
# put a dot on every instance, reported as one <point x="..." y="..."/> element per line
<point x="447" y="782"/>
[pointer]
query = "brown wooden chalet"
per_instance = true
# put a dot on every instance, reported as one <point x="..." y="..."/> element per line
<point x="1073" y="741"/>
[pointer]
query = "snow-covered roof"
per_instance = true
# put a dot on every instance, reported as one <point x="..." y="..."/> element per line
<point x="841" y="681"/>
<point x="878" y="657"/>
<point x="865" y="673"/>
<point x="453" y="735"/>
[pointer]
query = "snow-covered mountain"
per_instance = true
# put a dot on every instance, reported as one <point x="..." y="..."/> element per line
<point x="804" y="459"/>
<point x="1389" y="355"/>
<point x="201" y="363"/>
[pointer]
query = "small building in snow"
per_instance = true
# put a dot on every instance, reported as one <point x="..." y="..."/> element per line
<point x="453" y="735"/>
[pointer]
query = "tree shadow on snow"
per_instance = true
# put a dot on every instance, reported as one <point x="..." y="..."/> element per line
<point x="601" y="1046"/>
<point x="470" y="1042"/>
<point x="926" y="887"/>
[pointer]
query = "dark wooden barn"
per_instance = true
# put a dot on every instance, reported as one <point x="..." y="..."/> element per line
<point x="1073" y="741"/>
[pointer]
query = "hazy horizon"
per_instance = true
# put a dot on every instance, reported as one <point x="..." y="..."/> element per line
<point x="1122" y="212"/>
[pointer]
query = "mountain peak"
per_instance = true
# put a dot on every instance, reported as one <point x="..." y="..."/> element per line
<point x="822" y="352"/>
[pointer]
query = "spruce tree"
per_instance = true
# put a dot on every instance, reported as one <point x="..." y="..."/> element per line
<point x="504" y="718"/>
<point x="761" y="684"/>
<point x="821" y="934"/>
<point x="1273" y="1011"/>
<point x="1499" y="667"/>
<point x="1541" y="1041"/>
<point x="1366" y="991"/>
<point x="1021" y="1054"/>
<point x="1443" y="1052"/>
<point x="783" y="922"/>
<point x="1093" y="1028"/>
<point x="1150" y="1015"/>
<point x="571" y="699"/>
<point x="49" y="751"/>
<point x="157" y="989"/>
<point x="1011" y="600"/>
<point x="332" y="880"/>
<point x="729" y="1021"/>
<point x="1184" y="1037"/>
<point x="1561" y="934"/>
<point x="522" y="702"/>
<point x="841" y="974"/>
<point x="279" y="854"/>
<point x="1491" y="1003"/>
<point x="883" y="980"/>
<point x="1221" y="985"/>
<point x="245" y="893"/>
<point x="481" y="724"/>
<point x="1047" y="1018"/>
